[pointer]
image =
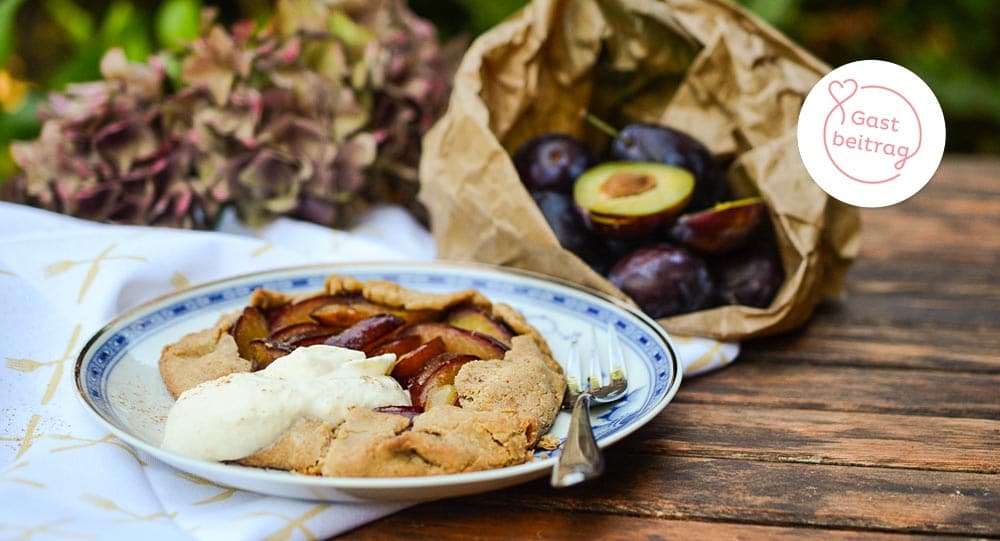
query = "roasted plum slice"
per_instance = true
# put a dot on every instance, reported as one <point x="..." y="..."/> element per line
<point x="473" y="318"/>
<point x="648" y="142"/>
<point x="722" y="228"/>
<point x="301" y="311"/>
<point x="458" y="340"/>
<point x="750" y="276"/>
<point x="296" y="334"/>
<point x="406" y="411"/>
<point x="367" y="332"/>
<point x="348" y="313"/>
<point x="629" y="200"/>
<point x="434" y="384"/>
<point x="264" y="352"/>
<point x="410" y="364"/>
<point x="664" y="280"/>
<point x="397" y="346"/>
<point x="250" y="326"/>
<point x="551" y="161"/>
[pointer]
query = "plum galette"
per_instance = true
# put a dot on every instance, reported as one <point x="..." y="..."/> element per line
<point x="363" y="379"/>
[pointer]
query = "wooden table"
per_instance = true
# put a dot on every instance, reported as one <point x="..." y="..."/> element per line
<point x="881" y="416"/>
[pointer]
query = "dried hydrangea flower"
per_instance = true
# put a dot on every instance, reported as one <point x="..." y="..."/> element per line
<point x="316" y="115"/>
<point x="104" y="154"/>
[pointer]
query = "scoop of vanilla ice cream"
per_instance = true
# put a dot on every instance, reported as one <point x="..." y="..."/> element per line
<point x="234" y="416"/>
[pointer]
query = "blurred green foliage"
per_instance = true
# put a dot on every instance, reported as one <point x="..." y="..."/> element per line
<point x="47" y="44"/>
<point x="953" y="45"/>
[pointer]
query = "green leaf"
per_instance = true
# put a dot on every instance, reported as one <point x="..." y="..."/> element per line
<point x="485" y="15"/>
<point x="7" y="10"/>
<point x="177" y="22"/>
<point x="20" y="124"/>
<point x="119" y="17"/>
<point x="77" y="22"/>
<point x="135" y="41"/>
<point x="776" y="12"/>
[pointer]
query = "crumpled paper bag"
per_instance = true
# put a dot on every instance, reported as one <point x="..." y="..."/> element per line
<point x="703" y="66"/>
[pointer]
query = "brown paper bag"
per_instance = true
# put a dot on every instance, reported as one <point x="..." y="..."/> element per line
<point x="703" y="66"/>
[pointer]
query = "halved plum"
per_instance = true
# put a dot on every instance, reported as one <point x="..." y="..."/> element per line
<point x="627" y="200"/>
<point x="648" y="142"/>
<point x="473" y="318"/>
<point x="722" y="228"/>
<point x="458" y="340"/>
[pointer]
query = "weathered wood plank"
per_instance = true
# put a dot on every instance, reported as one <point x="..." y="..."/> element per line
<point x="769" y="383"/>
<point x="967" y="173"/>
<point x="964" y="230"/>
<point x="772" y="493"/>
<point x="822" y="437"/>
<point x="953" y="217"/>
<point x="924" y="292"/>
<point x="830" y="340"/>
<point x="435" y="521"/>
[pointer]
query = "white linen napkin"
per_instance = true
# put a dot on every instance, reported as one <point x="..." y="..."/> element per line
<point x="62" y="475"/>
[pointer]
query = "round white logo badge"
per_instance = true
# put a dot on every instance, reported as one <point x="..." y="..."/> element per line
<point x="871" y="133"/>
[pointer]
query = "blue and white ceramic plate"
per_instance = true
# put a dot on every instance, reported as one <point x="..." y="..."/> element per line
<point x="118" y="379"/>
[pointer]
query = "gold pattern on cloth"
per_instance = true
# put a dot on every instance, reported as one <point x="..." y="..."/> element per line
<point x="60" y="267"/>
<point x="225" y="493"/>
<point x="28" y="438"/>
<point x="109" y="505"/>
<point x="46" y="530"/>
<point x="708" y="357"/>
<point x="337" y="241"/>
<point x="179" y="281"/>
<point x="86" y="442"/>
<point x="293" y="524"/>
<point x="29" y="365"/>
<point x="262" y="250"/>
<point x="7" y="476"/>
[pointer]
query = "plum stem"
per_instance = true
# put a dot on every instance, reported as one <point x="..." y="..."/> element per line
<point x="600" y="124"/>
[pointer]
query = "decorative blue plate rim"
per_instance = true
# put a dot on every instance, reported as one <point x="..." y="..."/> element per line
<point x="649" y="345"/>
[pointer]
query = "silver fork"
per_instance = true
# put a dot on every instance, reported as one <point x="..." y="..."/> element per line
<point x="581" y="459"/>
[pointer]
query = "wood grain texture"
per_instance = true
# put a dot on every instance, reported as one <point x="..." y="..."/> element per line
<point x="913" y="346"/>
<point x="433" y="522"/>
<point x="879" y="419"/>
<point x="763" y="382"/>
<point x="822" y="437"/>
<point x="773" y="493"/>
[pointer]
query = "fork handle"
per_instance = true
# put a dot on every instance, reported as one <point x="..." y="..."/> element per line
<point x="581" y="459"/>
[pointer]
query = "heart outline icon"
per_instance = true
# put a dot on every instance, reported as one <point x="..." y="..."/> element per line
<point x="839" y="87"/>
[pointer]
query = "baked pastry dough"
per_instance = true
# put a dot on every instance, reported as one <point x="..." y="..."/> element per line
<point x="500" y="407"/>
